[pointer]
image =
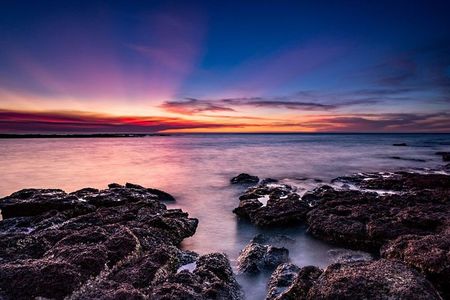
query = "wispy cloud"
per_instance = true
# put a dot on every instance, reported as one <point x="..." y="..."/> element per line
<point x="26" y="121"/>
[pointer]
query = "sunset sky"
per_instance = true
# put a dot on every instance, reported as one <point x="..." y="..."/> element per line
<point x="224" y="66"/>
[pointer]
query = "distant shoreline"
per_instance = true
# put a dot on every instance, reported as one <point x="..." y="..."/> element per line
<point x="96" y="135"/>
<point x="138" y="135"/>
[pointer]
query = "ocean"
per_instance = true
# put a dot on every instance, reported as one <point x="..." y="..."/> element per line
<point x="196" y="169"/>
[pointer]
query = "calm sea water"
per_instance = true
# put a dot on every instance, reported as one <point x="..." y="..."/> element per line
<point x="196" y="169"/>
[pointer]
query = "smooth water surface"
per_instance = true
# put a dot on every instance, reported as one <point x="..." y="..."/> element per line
<point x="196" y="169"/>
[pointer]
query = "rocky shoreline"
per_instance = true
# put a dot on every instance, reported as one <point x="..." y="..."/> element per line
<point x="118" y="243"/>
<point x="123" y="242"/>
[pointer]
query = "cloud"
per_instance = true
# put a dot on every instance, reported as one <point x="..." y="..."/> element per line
<point x="25" y="121"/>
<point x="433" y="122"/>
<point x="193" y="106"/>
<point x="304" y="101"/>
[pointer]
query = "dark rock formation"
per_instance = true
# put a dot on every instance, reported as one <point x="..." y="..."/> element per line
<point x="244" y="178"/>
<point x="400" y="144"/>
<point x="366" y="220"/>
<point x="284" y="285"/>
<point x="255" y="257"/>
<point x="429" y="254"/>
<point x="272" y="205"/>
<point x="445" y="155"/>
<point x="118" y="243"/>
<point x="282" y="278"/>
<point x="380" y="279"/>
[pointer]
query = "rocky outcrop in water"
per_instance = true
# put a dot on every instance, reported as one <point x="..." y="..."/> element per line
<point x="256" y="257"/>
<point x="445" y="155"/>
<point x="272" y="204"/>
<point x="118" y="243"/>
<point x="430" y="254"/>
<point x="380" y="279"/>
<point x="244" y="178"/>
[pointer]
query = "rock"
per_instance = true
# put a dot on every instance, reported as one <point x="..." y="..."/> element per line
<point x="115" y="186"/>
<point x="400" y="144"/>
<point x="33" y="202"/>
<point x="445" y="155"/>
<point x="429" y="254"/>
<point x="300" y="285"/>
<point x="406" y="181"/>
<point x="211" y="279"/>
<point x="118" y="243"/>
<point x="255" y="258"/>
<point x="365" y="220"/>
<point x="272" y="205"/>
<point x="379" y="279"/>
<point x="346" y="255"/>
<point x="244" y="178"/>
<point x="281" y="279"/>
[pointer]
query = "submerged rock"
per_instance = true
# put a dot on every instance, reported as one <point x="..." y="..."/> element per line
<point x="400" y="144"/>
<point x="380" y="279"/>
<point x="118" y="243"/>
<point x="255" y="257"/>
<point x="445" y="155"/>
<point x="244" y="178"/>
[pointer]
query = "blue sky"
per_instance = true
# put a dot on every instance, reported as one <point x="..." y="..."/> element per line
<point x="291" y="65"/>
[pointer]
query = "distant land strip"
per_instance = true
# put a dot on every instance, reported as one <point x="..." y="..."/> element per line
<point x="96" y="135"/>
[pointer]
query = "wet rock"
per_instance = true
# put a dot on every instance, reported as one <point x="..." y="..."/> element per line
<point x="400" y="144"/>
<point x="255" y="258"/>
<point x="119" y="243"/>
<point x="272" y="205"/>
<point x="33" y="202"/>
<point x="244" y="178"/>
<point x="211" y="279"/>
<point x="366" y="220"/>
<point x="346" y="255"/>
<point x="380" y="279"/>
<point x="301" y="284"/>
<point x="282" y="278"/>
<point x="429" y="254"/>
<point x="445" y="155"/>
<point x="115" y="186"/>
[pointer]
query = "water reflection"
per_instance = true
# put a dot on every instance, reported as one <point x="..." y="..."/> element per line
<point x="196" y="169"/>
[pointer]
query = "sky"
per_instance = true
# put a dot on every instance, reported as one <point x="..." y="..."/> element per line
<point x="224" y="66"/>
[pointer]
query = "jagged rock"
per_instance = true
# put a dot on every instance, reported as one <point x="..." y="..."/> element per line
<point x="366" y="220"/>
<point x="272" y="205"/>
<point x="379" y="279"/>
<point x="211" y="279"/>
<point x="281" y="279"/>
<point x="244" y="178"/>
<point x="301" y="284"/>
<point x="118" y="243"/>
<point x="429" y="254"/>
<point x="255" y="257"/>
